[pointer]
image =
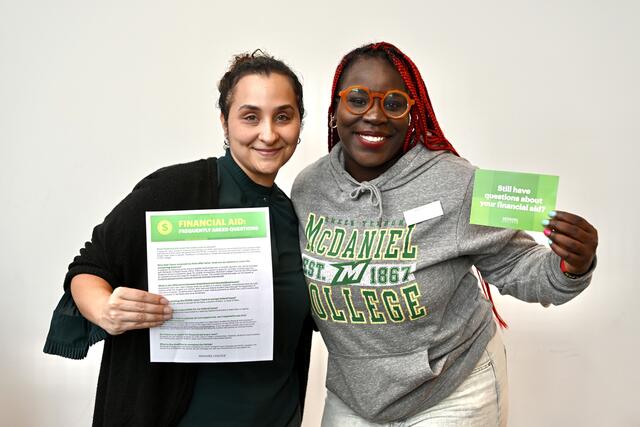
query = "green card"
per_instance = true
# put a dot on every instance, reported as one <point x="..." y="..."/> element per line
<point x="512" y="199"/>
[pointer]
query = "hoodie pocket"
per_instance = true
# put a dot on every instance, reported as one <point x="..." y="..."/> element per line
<point x="370" y="383"/>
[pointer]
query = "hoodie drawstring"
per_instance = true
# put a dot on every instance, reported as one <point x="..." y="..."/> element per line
<point x="375" y="197"/>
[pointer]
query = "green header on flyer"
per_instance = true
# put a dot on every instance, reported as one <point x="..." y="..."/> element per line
<point x="512" y="199"/>
<point x="239" y="225"/>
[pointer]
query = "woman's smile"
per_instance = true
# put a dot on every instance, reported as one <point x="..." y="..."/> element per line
<point x="372" y="139"/>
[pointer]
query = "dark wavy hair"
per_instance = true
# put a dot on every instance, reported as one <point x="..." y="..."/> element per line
<point x="257" y="62"/>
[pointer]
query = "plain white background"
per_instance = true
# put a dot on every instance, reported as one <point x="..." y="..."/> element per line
<point x="95" y="95"/>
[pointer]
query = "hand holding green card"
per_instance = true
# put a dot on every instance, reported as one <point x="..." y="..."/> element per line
<point x="526" y="201"/>
<point x="512" y="199"/>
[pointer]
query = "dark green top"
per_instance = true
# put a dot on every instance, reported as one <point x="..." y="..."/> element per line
<point x="258" y="393"/>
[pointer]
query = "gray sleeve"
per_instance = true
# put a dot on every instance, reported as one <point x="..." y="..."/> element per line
<point x="513" y="262"/>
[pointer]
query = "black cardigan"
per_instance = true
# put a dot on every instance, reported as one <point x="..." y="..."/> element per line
<point x="131" y="390"/>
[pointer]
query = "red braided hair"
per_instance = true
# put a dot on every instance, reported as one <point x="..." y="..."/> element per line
<point x="424" y="126"/>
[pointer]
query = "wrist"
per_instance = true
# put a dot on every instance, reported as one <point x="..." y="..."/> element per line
<point x="567" y="273"/>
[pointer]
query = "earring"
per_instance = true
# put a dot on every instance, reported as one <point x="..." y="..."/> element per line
<point x="225" y="144"/>
<point x="299" y="141"/>
<point x="333" y="123"/>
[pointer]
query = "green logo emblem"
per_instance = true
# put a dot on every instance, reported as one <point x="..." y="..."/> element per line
<point x="349" y="272"/>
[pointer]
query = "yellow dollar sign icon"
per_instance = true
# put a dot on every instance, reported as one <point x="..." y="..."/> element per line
<point x="164" y="227"/>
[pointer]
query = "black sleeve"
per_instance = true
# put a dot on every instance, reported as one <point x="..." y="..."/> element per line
<point x="117" y="249"/>
<point x="119" y="240"/>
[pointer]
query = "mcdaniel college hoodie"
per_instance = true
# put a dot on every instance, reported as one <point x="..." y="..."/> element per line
<point x="400" y="312"/>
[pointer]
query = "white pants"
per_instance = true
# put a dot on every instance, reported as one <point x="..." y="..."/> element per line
<point x="480" y="401"/>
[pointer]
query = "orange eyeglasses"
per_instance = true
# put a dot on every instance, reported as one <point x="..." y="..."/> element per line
<point x="359" y="99"/>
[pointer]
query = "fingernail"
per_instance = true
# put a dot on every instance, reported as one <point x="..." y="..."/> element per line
<point x="552" y="213"/>
<point x="547" y="232"/>
<point x="550" y="242"/>
<point x="545" y="222"/>
<point x="164" y="301"/>
<point x="167" y="310"/>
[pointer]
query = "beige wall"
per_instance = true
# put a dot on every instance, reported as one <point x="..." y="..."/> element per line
<point x="95" y="95"/>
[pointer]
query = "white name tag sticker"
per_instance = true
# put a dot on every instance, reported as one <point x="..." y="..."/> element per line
<point x="423" y="213"/>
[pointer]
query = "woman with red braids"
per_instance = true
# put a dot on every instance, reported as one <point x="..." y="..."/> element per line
<point x="388" y="253"/>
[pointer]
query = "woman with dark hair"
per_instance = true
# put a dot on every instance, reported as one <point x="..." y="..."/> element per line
<point x="411" y="338"/>
<point x="261" y="113"/>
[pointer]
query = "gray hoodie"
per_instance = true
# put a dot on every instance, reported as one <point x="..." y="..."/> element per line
<point x="400" y="312"/>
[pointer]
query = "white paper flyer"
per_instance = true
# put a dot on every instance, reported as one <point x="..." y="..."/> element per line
<point x="214" y="267"/>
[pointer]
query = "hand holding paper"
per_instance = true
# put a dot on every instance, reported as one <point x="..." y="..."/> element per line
<point x="129" y="309"/>
<point x="120" y="310"/>
<point x="573" y="239"/>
